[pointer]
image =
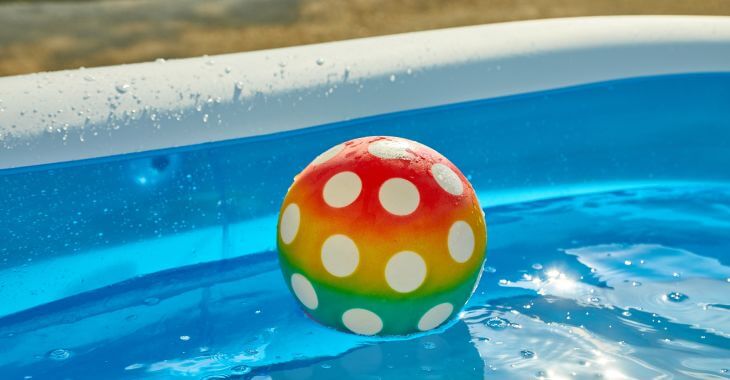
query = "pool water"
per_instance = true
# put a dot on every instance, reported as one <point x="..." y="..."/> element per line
<point x="608" y="208"/>
<point x="629" y="283"/>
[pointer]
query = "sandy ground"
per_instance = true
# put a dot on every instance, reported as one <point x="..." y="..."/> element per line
<point x="40" y="36"/>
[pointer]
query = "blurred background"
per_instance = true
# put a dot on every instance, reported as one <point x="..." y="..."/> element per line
<point x="54" y="35"/>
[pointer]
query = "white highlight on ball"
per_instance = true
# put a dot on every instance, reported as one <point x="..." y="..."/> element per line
<point x="405" y="271"/>
<point x="390" y="150"/>
<point x="304" y="291"/>
<point x="362" y="321"/>
<point x="447" y="179"/>
<point x="399" y="196"/>
<point x="289" y="224"/>
<point x="342" y="189"/>
<point x="461" y="241"/>
<point x="340" y="255"/>
<point x="435" y="316"/>
<point x="328" y="154"/>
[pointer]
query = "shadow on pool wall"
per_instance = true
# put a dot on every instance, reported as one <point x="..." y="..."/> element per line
<point x="644" y="130"/>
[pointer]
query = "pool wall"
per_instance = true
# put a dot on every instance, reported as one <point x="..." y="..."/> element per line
<point x="86" y="113"/>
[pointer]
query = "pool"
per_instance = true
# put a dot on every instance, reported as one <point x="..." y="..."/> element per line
<point x="607" y="198"/>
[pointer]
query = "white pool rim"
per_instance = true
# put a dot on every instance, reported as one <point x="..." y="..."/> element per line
<point x="88" y="113"/>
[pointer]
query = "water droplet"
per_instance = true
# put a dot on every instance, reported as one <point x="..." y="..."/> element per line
<point x="537" y="266"/>
<point x="59" y="354"/>
<point x="490" y="270"/>
<point x="527" y="354"/>
<point x="326" y="365"/>
<point x="594" y="300"/>
<point x="429" y="345"/>
<point x="497" y="323"/>
<point x="635" y="283"/>
<point x="675" y="297"/>
<point x="392" y="77"/>
<point x="409" y="71"/>
<point x="184" y="338"/>
<point x="240" y="370"/>
<point x="627" y="262"/>
<point x="676" y="274"/>
<point x="626" y="313"/>
<point x="227" y="69"/>
<point x="503" y="282"/>
<point x="160" y="60"/>
<point x="205" y="118"/>
<point x="725" y="370"/>
<point x="320" y="61"/>
<point x="122" y="88"/>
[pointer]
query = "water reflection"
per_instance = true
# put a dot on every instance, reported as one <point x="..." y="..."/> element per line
<point x="451" y="354"/>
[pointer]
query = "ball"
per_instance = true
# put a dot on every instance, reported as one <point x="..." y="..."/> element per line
<point x="381" y="235"/>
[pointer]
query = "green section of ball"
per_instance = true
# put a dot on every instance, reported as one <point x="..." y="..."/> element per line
<point x="370" y="315"/>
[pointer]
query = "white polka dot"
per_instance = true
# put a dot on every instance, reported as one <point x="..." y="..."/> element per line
<point x="390" y="150"/>
<point x="304" y="291"/>
<point x="435" y="316"/>
<point x="447" y="179"/>
<point x="289" y="224"/>
<point x="328" y="155"/>
<point x="342" y="189"/>
<point x="340" y="255"/>
<point x="399" y="196"/>
<point x="362" y="321"/>
<point x="461" y="241"/>
<point x="405" y="271"/>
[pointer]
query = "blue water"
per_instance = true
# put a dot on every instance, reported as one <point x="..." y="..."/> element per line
<point x="608" y="208"/>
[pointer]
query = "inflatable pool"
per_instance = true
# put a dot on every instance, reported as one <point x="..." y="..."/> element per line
<point x="139" y="208"/>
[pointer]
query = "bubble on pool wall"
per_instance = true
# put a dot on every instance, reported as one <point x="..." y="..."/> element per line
<point x="381" y="236"/>
<point x="151" y="171"/>
<point x="59" y="354"/>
